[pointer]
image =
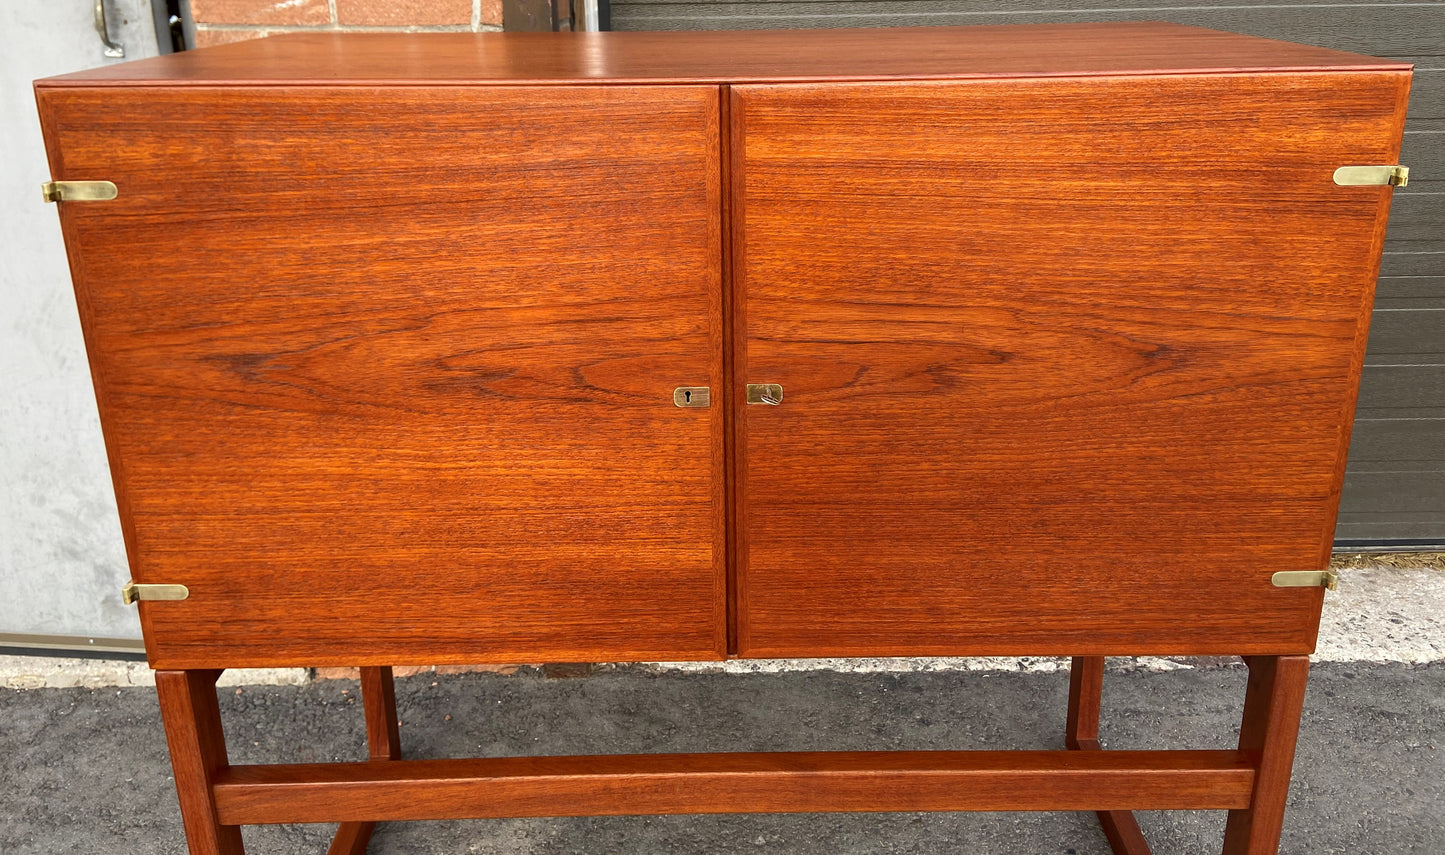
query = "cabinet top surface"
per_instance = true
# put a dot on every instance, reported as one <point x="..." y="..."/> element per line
<point x="756" y="56"/>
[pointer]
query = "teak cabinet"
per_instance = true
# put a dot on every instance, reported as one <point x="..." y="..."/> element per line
<point x="608" y="347"/>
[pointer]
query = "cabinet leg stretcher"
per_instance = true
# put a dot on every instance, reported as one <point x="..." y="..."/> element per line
<point x="1250" y="782"/>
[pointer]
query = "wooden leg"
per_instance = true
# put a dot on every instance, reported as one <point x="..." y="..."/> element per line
<point x="351" y="838"/>
<point x="1273" y="704"/>
<point x="383" y="742"/>
<point x="1086" y="691"/>
<point x="378" y="698"/>
<point x="1081" y="733"/>
<point x="192" y="720"/>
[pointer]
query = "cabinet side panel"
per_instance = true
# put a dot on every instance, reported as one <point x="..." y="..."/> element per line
<point x="1067" y="364"/>
<point x="1401" y="94"/>
<point x="388" y="372"/>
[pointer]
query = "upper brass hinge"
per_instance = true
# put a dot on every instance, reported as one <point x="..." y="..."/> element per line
<point x="133" y="591"/>
<point x="78" y="191"/>
<point x="1355" y="176"/>
<point x="1326" y="579"/>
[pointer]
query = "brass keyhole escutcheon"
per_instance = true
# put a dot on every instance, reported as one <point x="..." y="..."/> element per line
<point x="692" y="396"/>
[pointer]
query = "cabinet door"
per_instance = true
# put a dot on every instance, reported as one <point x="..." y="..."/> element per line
<point x="1068" y="365"/>
<point x="386" y="374"/>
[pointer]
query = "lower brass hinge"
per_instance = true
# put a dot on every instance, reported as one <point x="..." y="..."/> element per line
<point x="133" y="591"/>
<point x="1357" y="176"/>
<point x="78" y="191"/>
<point x="1326" y="579"/>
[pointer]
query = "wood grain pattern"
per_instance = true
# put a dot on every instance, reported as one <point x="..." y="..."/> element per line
<point x="1069" y="366"/>
<point x="1273" y="703"/>
<point x="197" y="746"/>
<point x="1147" y="47"/>
<point x="734" y="783"/>
<point x="1081" y="733"/>
<point x="386" y="375"/>
<point x="847" y="54"/>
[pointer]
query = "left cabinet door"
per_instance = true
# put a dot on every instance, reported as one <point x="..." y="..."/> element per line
<point x="386" y="373"/>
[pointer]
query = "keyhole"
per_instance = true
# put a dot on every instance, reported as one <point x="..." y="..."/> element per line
<point x="687" y="396"/>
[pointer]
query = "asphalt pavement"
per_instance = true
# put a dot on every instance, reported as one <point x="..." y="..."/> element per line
<point x="86" y="770"/>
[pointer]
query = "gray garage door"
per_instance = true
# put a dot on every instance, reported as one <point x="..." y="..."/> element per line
<point x="1395" y="484"/>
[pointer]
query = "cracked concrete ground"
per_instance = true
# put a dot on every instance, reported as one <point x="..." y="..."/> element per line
<point x="87" y="770"/>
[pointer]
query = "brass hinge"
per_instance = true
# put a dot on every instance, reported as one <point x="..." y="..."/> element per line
<point x="1306" y="579"/>
<point x="1356" y="176"/>
<point x="133" y="591"/>
<point x="78" y="191"/>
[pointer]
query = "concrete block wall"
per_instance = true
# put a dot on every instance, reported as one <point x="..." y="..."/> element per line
<point x="223" y="21"/>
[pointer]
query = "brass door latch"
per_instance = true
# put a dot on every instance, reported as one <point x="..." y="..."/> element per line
<point x="765" y="393"/>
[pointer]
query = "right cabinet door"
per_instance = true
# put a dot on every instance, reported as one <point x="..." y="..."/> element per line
<point x="1068" y="366"/>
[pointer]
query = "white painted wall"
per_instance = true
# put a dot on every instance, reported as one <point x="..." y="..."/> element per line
<point x="61" y="558"/>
